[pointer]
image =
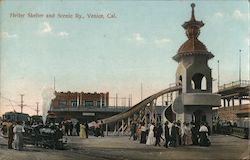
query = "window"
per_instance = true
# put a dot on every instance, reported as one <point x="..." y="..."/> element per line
<point x="62" y="103"/>
<point x="199" y="81"/>
<point x="180" y="80"/>
<point x="89" y="103"/>
<point x="99" y="103"/>
<point x="74" y="103"/>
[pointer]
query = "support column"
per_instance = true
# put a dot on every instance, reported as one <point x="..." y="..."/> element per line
<point x="105" y="100"/>
<point x="233" y="102"/>
<point x="240" y="101"/>
<point x="146" y="117"/>
<point x="162" y="101"/>
<point x="122" y="127"/>
<point x="228" y="102"/>
<point x="115" y="127"/>
<point x="100" y="101"/>
<point x="107" y="129"/>
<point x="224" y="102"/>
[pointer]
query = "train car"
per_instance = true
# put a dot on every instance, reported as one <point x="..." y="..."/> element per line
<point x="16" y="116"/>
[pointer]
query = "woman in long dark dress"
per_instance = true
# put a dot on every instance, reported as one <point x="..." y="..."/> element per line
<point x="204" y="141"/>
<point x="143" y="133"/>
<point x="194" y="131"/>
<point x="174" y="134"/>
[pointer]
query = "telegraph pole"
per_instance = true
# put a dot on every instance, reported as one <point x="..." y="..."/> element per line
<point x="37" y="110"/>
<point x="54" y="83"/>
<point x="218" y="74"/>
<point x="116" y="99"/>
<point x="22" y="105"/>
<point x="141" y="92"/>
<point x="240" y="65"/>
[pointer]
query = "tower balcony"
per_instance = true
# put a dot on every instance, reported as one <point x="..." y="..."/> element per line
<point x="201" y="99"/>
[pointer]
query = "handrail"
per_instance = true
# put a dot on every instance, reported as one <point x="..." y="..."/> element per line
<point x="242" y="83"/>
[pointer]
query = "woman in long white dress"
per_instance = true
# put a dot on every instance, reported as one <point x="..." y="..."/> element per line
<point x="18" y="139"/>
<point x="82" y="131"/>
<point x="151" y="138"/>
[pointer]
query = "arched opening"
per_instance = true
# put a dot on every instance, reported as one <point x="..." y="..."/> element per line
<point x="199" y="116"/>
<point x="192" y="84"/>
<point x="199" y="81"/>
<point x="204" y="83"/>
<point x="180" y="80"/>
<point x="180" y="83"/>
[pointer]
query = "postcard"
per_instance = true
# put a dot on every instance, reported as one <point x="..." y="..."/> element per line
<point x="107" y="79"/>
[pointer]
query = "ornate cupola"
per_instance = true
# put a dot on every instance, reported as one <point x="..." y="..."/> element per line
<point x="192" y="45"/>
<point x="193" y="72"/>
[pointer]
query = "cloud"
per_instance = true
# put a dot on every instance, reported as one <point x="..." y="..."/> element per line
<point x="63" y="34"/>
<point x="137" y="38"/>
<point x="161" y="42"/>
<point x="47" y="29"/>
<point x="238" y="15"/>
<point x="7" y="35"/>
<point x="218" y="15"/>
<point x="247" y="40"/>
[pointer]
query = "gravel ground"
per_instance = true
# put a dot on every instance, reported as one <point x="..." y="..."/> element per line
<point x="121" y="148"/>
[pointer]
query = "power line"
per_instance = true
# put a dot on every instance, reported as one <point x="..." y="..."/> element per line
<point x="17" y="104"/>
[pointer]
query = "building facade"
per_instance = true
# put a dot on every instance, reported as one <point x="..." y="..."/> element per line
<point x="75" y="99"/>
<point x="85" y="107"/>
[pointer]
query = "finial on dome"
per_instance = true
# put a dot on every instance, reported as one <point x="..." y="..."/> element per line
<point x="193" y="5"/>
<point x="193" y="17"/>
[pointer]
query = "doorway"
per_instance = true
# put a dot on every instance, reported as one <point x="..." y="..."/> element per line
<point x="198" y="117"/>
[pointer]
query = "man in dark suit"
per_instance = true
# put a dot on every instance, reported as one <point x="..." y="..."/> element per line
<point x="167" y="138"/>
<point x="10" y="134"/>
<point x="158" y="135"/>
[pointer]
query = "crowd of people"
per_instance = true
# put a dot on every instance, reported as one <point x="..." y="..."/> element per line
<point x="14" y="132"/>
<point x="172" y="135"/>
<point x="175" y="135"/>
<point x="75" y="128"/>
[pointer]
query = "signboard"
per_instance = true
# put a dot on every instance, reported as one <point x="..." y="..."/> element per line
<point x="88" y="114"/>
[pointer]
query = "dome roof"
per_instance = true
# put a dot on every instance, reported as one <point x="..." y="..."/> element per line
<point x="192" y="45"/>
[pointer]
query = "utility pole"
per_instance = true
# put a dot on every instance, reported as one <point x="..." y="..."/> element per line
<point x="37" y="110"/>
<point x="218" y="74"/>
<point x="131" y="104"/>
<point x="116" y="99"/>
<point x="130" y="100"/>
<point x="141" y="92"/>
<point x="240" y="65"/>
<point x="22" y="105"/>
<point x="54" y="83"/>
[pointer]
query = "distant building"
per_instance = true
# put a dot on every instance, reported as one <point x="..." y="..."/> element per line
<point x="82" y="106"/>
<point x="75" y="99"/>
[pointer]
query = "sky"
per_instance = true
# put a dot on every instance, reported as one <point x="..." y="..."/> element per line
<point x="116" y="55"/>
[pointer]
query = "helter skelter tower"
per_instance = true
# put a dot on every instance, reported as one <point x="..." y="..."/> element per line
<point x="196" y="100"/>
